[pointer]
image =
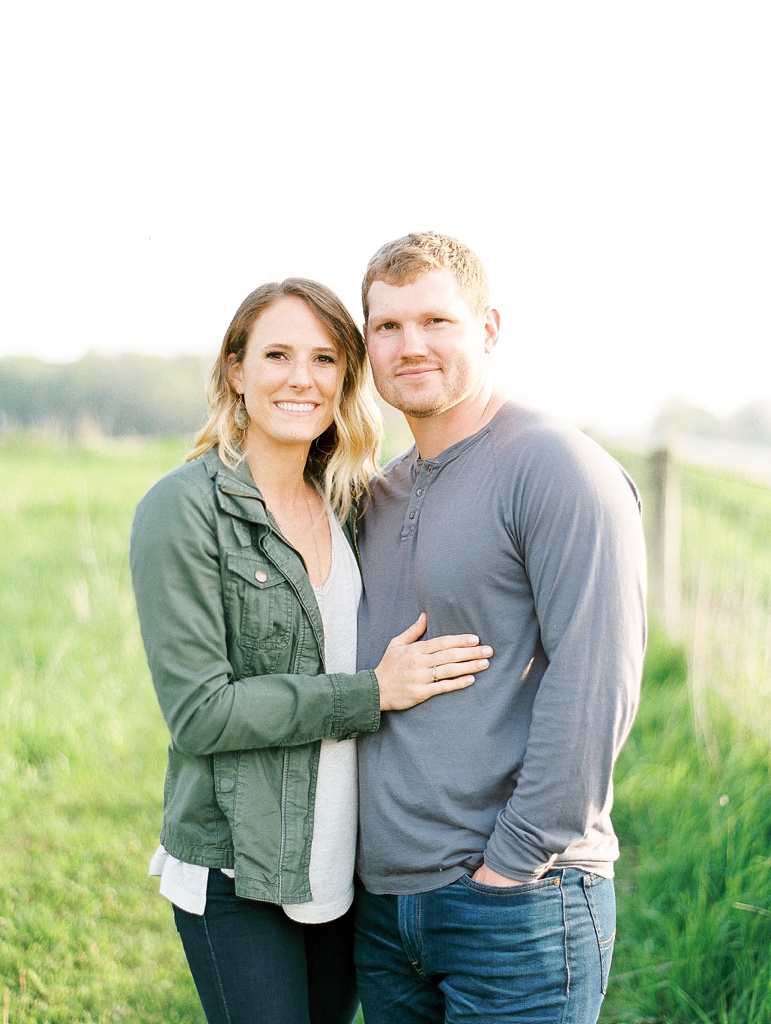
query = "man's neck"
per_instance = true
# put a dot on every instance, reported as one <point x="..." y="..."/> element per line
<point x="435" y="434"/>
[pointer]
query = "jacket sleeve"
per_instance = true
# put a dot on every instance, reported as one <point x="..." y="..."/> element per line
<point x="175" y="567"/>
<point x="577" y="520"/>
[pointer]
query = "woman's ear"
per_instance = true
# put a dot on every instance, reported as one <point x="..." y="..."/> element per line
<point x="235" y="377"/>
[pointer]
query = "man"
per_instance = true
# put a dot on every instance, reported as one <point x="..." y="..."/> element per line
<point x="486" y="847"/>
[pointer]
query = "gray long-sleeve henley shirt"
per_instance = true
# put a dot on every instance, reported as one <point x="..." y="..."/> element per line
<point x="528" y="534"/>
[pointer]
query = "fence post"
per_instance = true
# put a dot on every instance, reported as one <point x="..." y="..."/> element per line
<point x="664" y="542"/>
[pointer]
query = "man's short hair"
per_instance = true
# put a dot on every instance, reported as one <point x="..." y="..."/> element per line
<point x="407" y="259"/>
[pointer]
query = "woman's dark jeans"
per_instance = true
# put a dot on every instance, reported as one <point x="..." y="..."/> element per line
<point x="252" y="965"/>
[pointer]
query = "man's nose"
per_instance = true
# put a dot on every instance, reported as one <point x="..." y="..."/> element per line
<point x="413" y="340"/>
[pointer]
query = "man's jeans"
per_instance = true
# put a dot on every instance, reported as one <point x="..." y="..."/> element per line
<point x="538" y="952"/>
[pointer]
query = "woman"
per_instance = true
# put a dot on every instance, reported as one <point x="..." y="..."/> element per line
<point x="247" y="584"/>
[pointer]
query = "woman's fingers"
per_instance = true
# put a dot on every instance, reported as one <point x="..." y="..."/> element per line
<point x="439" y="644"/>
<point x="413" y="632"/>
<point x="447" y="685"/>
<point x="441" y="649"/>
<point x="411" y="671"/>
<point x="477" y="659"/>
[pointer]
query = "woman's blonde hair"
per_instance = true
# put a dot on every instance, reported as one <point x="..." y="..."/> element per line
<point x="344" y="457"/>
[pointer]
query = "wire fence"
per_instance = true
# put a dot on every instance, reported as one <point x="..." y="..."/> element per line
<point x="709" y="543"/>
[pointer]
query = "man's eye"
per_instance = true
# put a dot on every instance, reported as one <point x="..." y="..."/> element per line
<point x="436" y="320"/>
<point x="389" y="325"/>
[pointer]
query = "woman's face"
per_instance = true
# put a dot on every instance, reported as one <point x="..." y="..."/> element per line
<point x="289" y="377"/>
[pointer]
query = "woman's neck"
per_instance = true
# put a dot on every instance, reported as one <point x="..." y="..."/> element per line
<point x="296" y="506"/>
<point x="278" y="475"/>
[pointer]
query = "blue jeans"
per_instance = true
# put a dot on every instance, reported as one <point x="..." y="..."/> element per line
<point x="252" y="965"/>
<point x="538" y="952"/>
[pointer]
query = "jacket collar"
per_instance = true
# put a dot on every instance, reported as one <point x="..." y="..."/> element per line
<point x="237" y="493"/>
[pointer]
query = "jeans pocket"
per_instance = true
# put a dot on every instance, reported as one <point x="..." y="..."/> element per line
<point x="601" y="900"/>
<point x="547" y="882"/>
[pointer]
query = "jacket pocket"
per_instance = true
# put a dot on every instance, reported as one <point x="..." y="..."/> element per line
<point x="260" y="604"/>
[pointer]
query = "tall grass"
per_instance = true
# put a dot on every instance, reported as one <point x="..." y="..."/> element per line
<point x="693" y="798"/>
<point x="694" y="881"/>
<point x="84" y="936"/>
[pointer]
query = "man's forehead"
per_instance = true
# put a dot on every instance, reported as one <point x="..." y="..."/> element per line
<point x="435" y="287"/>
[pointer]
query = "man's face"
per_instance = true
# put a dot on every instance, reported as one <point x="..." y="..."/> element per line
<point x="429" y="352"/>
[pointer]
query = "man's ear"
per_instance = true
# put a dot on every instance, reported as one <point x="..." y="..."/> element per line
<point x="492" y="327"/>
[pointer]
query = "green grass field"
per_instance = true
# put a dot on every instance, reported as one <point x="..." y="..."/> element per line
<point x="85" y="938"/>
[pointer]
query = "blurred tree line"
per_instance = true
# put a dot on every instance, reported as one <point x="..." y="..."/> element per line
<point x="749" y="425"/>
<point x="148" y="395"/>
<point x="120" y="396"/>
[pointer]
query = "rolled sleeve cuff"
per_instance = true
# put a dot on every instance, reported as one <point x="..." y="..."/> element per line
<point x="515" y="859"/>
<point x="356" y="704"/>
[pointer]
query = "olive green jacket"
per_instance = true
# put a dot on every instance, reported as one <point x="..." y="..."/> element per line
<point x="234" y="642"/>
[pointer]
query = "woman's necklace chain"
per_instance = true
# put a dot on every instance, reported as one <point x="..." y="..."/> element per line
<point x="313" y="525"/>
<point x="313" y="522"/>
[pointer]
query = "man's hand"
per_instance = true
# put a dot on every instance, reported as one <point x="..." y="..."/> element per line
<point x="487" y="876"/>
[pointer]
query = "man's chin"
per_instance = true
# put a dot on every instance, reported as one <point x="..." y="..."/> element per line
<point x="421" y="413"/>
<point x="414" y="406"/>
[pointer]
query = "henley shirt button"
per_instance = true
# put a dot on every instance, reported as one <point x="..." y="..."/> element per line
<point x="261" y="576"/>
<point x="227" y="785"/>
<point x="419" y="491"/>
<point x="412" y="515"/>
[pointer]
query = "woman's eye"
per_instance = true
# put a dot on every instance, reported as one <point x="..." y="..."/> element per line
<point x="274" y="355"/>
<point x="330" y="360"/>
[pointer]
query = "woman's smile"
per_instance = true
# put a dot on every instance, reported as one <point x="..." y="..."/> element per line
<point x="297" y="406"/>
<point x="289" y="350"/>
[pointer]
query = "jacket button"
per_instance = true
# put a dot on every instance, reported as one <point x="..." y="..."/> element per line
<point x="227" y="785"/>
<point x="261" y="576"/>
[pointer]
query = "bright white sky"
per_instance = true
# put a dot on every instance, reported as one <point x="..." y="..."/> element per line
<point x="610" y="163"/>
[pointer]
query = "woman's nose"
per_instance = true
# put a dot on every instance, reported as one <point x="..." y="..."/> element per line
<point x="299" y="374"/>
